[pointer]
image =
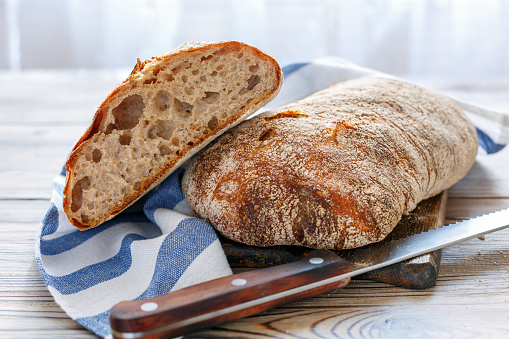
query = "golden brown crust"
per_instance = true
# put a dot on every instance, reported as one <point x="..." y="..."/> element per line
<point x="336" y="170"/>
<point x="145" y="70"/>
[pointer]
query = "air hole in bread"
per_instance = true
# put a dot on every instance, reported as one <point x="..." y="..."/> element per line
<point x="128" y="173"/>
<point x="183" y="109"/>
<point x="267" y="135"/>
<point x="214" y="73"/>
<point x="240" y="55"/>
<point x="219" y="67"/>
<point x="203" y="78"/>
<point x="252" y="81"/>
<point x="96" y="155"/>
<point x="125" y="138"/>
<point x="162" y="100"/>
<point x="168" y="77"/>
<point x="253" y="68"/>
<point x="190" y="143"/>
<point x="243" y="90"/>
<point x="203" y="58"/>
<point x="195" y="72"/>
<point x="85" y="218"/>
<point x="184" y="78"/>
<point x="109" y="129"/>
<point x="137" y="186"/>
<point x="77" y="193"/>
<point x="157" y="69"/>
<point x="150" y="81"/>
<point x="210" y="97"/>
<point x="212" y="124"/>
<point x="128" y="113"/>
<point x="164" y="150"/>
<point x="189" y="90"/>
<point x="183" y="65"/>
<point x="222" y="74"/>
<point x="91" y="206"/>
<point x="162" y="128"/>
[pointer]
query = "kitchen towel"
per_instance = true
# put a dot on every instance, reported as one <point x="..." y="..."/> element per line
<point x="157" y="246"/>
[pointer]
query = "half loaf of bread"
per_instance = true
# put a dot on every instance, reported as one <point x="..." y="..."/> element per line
<point x="336" y="170"/>
<point x="169" y="108"/>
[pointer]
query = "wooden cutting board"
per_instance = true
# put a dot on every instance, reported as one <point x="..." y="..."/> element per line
<point x="417" y="273"/>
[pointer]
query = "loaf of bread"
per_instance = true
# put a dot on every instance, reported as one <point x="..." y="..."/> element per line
<point x="169" y="108"/>
<point x="335" y="170"/>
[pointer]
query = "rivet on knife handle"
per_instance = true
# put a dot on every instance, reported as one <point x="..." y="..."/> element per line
<point x="224" y="299"/>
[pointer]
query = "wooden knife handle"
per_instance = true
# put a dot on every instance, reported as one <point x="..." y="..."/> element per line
<point x="228" y="298"/>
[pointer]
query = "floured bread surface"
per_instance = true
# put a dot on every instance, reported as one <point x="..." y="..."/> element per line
<point x="336" y="170"/>
<point x="168" y="109"/>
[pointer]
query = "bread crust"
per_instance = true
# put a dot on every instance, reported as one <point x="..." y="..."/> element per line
<point x="146" y="70"/>
<point x="335" y="170"/>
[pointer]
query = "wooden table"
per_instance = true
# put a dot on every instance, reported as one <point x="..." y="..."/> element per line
<point x="43" y="113"/>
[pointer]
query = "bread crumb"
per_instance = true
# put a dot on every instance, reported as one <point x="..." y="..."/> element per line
<point x="482" y="237"/>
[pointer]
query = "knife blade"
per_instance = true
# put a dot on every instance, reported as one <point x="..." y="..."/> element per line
<point x="240" y="295"/>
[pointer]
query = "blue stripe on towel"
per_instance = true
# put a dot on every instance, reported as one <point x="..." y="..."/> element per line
<point x="291" y="68"/>
<point x="487" y="143"/>
<point x="168" y="195"/>
<point x="100" y="323"/>
<point x="178" y="251"/>
<point x="92" y="275"/>
<point x="50" y="221"/>
<point x="58" y="187"/>
<point x="71" y="240"/>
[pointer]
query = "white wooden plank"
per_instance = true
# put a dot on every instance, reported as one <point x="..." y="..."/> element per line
<point x="21" y="211"/>
<point x="55" y="96"/>
<point x="35" y="184"/>
<point x="31" y="158"/>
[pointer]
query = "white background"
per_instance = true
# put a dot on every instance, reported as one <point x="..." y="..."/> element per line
<point x="452" y="38"/>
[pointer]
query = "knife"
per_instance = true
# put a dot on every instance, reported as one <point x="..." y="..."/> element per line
<point x="210" y="303"/>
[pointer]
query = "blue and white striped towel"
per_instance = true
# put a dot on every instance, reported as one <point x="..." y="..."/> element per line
<point x="157" y="246"/>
